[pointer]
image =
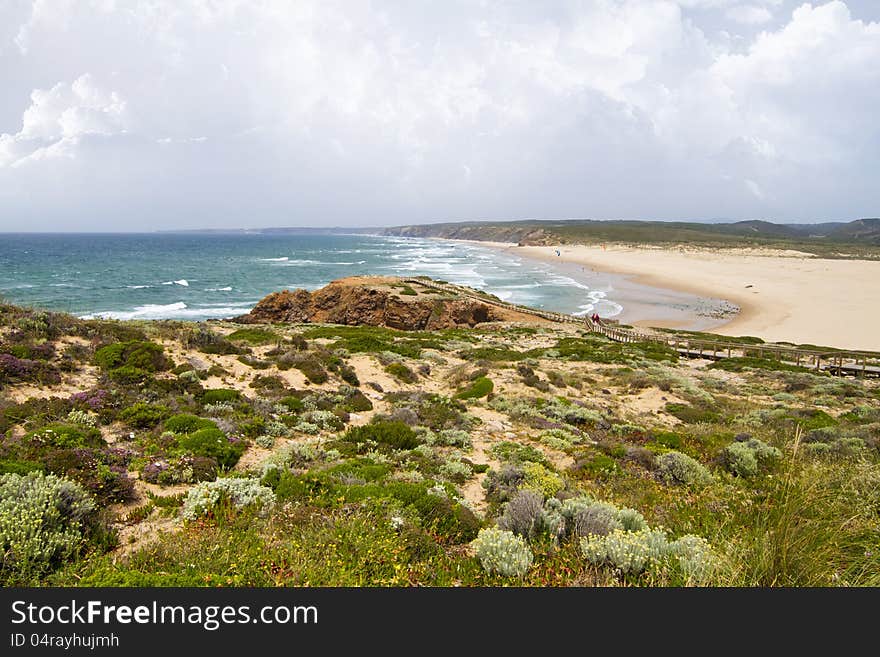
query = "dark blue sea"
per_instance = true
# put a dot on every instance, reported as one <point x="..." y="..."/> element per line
<point x="205" y="275"/>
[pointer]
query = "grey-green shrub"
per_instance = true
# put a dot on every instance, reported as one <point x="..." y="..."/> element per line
<point x="629" y="552"/>
<point x="456" y="471"/>
<point x="585" y="516"/>
<point x="453" y="438"/>
<point x="740" y="460"/>
<point x="502" y="552"/>
<point x="647" y="550"/>
<point x="677" y="468"/>
<point x="632" y="520"/>
<point x="265" y="441"/>
<point x="43" y="521"/>
<point x="598" y="519"/>
<point x="204" y="498"/>
<point x="696" y="560"/>
<point x="521" y="513"/>
<point x="748" y="458"/>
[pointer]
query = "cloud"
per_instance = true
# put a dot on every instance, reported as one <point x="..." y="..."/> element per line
<point x="58" y="117"/>
<point x="749" y="14"/>
<point x="181" y="112"/>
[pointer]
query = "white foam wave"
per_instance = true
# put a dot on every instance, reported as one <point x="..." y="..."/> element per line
<point x="141" y="287"/>
<point x="283" y="259"/>
<point x="148" y="311"/>
<point x="309" y="263"/>
<point x="218" y="289"/>
<point x="178" y="310"/>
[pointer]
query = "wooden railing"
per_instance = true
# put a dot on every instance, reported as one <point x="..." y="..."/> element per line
<point x="859" y="363"/>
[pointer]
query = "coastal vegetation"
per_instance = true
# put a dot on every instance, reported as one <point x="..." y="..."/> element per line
<point x="179" y="454"/>
<point x="859" y="238"/>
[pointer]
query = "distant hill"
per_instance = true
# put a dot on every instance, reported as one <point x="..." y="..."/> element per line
<point x="824" y="238"/>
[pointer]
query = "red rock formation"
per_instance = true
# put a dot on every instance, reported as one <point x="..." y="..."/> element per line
<point x="355" y="301"/>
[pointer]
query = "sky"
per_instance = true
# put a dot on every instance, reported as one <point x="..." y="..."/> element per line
<point x="131" y="115"/>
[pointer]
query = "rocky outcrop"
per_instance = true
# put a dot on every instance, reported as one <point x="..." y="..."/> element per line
<point x="374" y="302"/>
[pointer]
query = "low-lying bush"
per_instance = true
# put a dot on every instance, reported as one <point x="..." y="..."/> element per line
<point x="144" y="356"/>
<point x="678" y="468"/>
<point x="44" y="521"/>
<point x="254" y="336"/>
<point x="394" y="434"/>
<point x="401" y="372"/>
<point x="186" y="423"/>
<point x="480" y="387"/>
<point x="215" y="395"/>
<point x="502" y="552"/>
<point x="143" y="415"/>
<point x="209" y="498"/>
<point x="748" y="458"/>
<point x="215" y="444"/>
<point x="61" y="435"/>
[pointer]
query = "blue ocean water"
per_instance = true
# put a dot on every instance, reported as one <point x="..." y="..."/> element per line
<point x="206" y="275"/>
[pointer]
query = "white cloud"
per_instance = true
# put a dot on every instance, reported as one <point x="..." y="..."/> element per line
<point x="58" y="117"/>
<point x="327" y="111"/>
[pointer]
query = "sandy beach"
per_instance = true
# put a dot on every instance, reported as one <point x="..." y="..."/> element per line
<point x="783" y="295"/>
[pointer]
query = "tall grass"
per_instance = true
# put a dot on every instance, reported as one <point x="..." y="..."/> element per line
<point x="814" y="524"/>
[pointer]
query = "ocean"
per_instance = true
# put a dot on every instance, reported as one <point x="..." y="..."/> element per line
<point x="198" y="276"/>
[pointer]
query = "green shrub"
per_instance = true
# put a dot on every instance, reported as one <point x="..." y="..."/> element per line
<point x="313" y="370"/>
<point x="692" y="414"/>
<point x="292" y="404"/>
<point x="516" y="453"/>
<point x="66" y="436"/>
<point x="130" y="375"/>
<point x="356" y="402"/>
<point x="44" y="521"/>
<point x="206" y="498"/>
<point x="478" y="388"/>
<point x="135" y="355"/>
<point x="493" y="354"/>
<point x="597" y="466"/>
<point x="19" y="467"/>
<point x="186" y="423"/>
<point x="144" y="416"/>
<point x="602" y="350"/>
<point x="539" y="478"/>
<point x="216" y="395"/>
<point x="668" y="439"/>
<point x="678" y="468"/>
<point x="392" y="433"/>
<point x="254" y="336"/>
<point x="502" y="552"/>
<point x="401" y="372"/>
<point x="214" y="444"/>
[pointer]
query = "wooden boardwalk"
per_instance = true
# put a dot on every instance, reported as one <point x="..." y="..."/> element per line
<point x="839" y="363"/>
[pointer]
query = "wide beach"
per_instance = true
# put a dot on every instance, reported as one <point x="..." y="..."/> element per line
<point x="783" y="295"/>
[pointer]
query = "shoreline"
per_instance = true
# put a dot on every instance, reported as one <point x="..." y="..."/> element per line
<point x="644" y="302"/>
<point x="783" y="296"/>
